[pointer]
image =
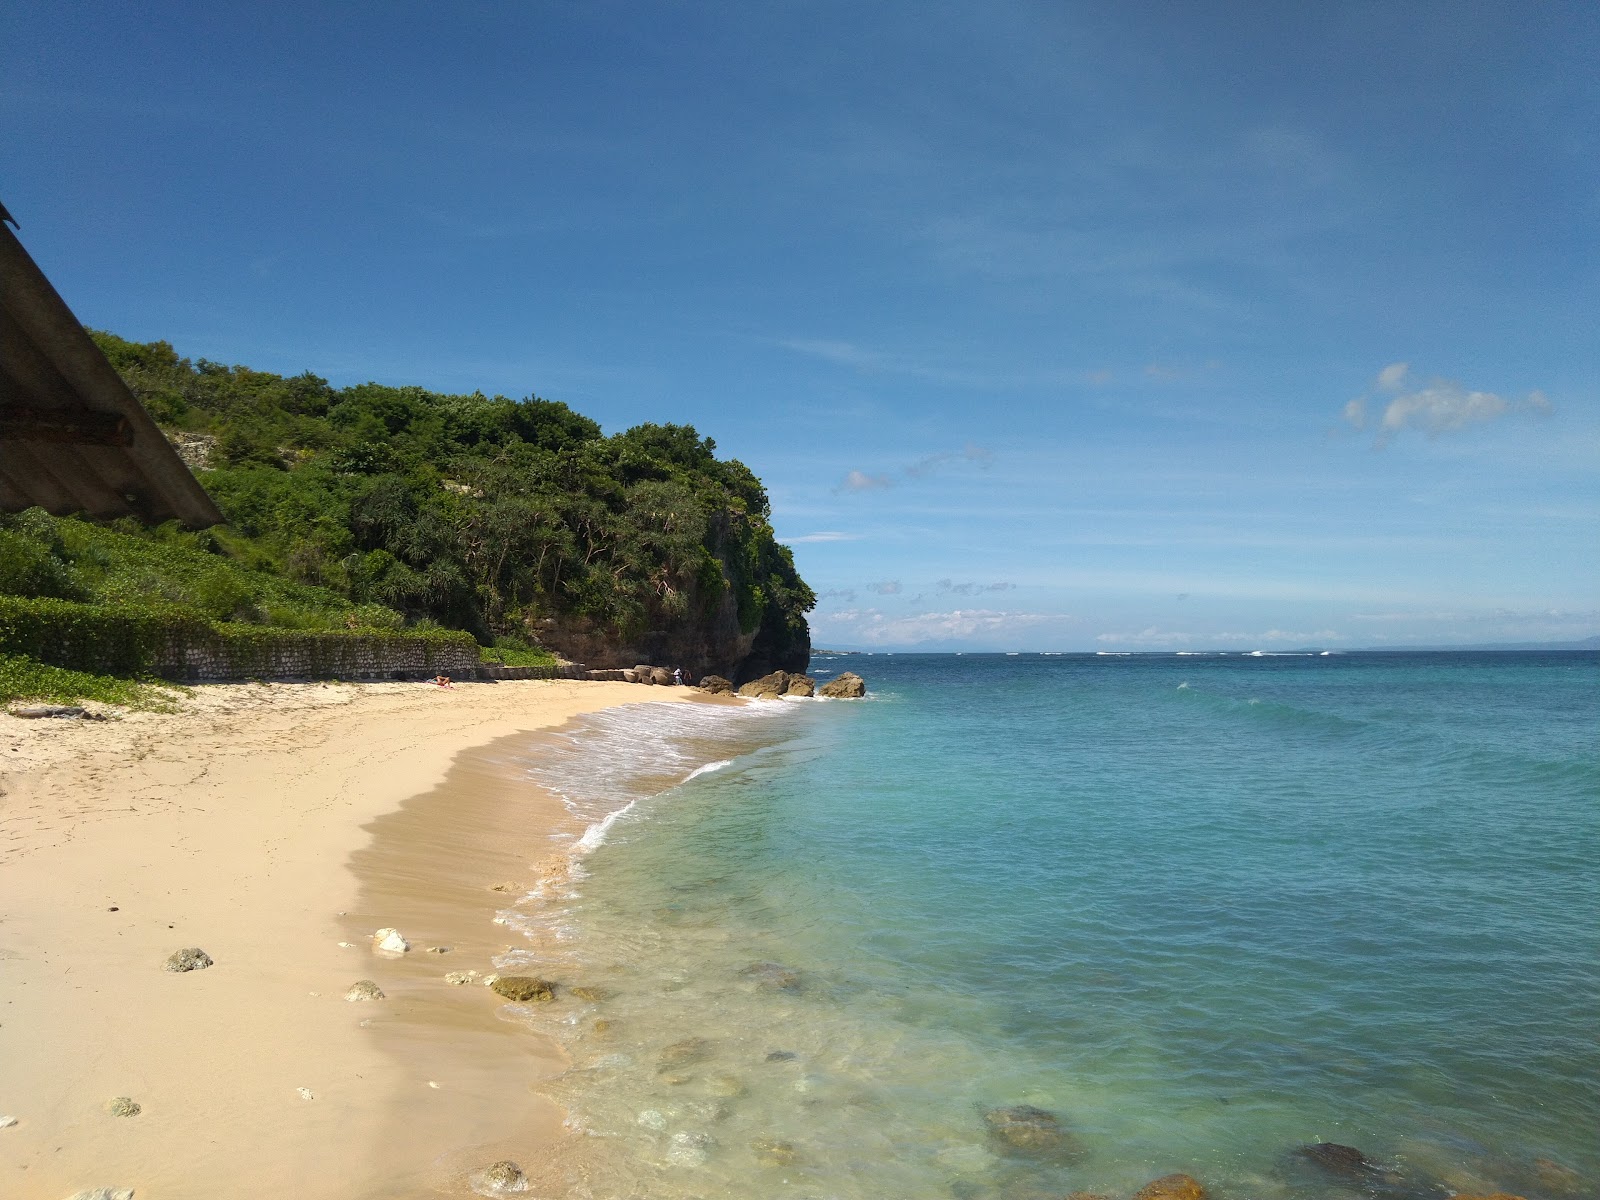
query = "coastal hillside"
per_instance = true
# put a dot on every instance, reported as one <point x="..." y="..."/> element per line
<point x="517" y="521"/>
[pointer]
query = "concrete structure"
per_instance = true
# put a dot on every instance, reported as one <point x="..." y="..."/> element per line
<point x="72" y="437"/>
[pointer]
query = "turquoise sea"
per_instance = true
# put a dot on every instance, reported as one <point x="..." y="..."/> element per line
<point x="1200" y="909"/>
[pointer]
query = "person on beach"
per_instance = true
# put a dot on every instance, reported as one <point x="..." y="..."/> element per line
<point x="677" y="676"/>
<point x="443" y="681"/>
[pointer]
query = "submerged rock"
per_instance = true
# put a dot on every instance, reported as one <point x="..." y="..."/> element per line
<point x="725" y="1085"/>
<point x="1555" y="1177"/>
<point x="191" y="958"/>
<point x="681" y="1054"/>
<point x="1024" y="1129"/>
<point x="591" y="995"/>
<point x="364" y="989"/>
<point x="774" y="977"/>
<point x="1172" y="1187"/>
<point x="715" y="684"/>
<point x="848" y="686"/>
<point x="389" y="941"/>
<point x="690" y="1148"/>
<point x="505" y="1176"/>
<point x="460" y="978"/>
<point x="774" y="1152"/>
<point x="123" y="1106"/>
<point x="781" y="1056"/>
<point x="1344" y="1161"/>
<point x="524" y="988"/>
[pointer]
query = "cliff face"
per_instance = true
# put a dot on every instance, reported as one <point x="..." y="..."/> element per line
<point x="711" y="638"/>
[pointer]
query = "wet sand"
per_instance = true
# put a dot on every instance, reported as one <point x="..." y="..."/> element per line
<point x="266" y="824"/>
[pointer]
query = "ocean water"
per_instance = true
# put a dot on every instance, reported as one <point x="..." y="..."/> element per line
<point x="1202" y="910"/>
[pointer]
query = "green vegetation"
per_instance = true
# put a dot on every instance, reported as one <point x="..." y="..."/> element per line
<point x="390" y="512"/>
<point x="478" y="513"/>
<point x="23" y="678"/>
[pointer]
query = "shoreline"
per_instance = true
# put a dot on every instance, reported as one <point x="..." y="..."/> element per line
<point x="267" y="824"/>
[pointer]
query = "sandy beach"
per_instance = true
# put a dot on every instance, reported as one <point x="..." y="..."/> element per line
<point x="276" y="827"/>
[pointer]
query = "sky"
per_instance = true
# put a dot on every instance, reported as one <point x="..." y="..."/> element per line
<point x="1049" y="326"/>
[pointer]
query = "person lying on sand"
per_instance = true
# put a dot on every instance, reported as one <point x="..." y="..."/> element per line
<point x="442" y="681"/>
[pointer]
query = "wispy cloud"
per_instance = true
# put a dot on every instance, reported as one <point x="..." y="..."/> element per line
<point x="1442" y="406"/>
<point x="876" y="628"/>
<point x="848" y="595"/>
<point x="888" y="587"/>
<point x="860" y="481"/>
<point x="928" y="464"/>
<point x="924" y="467"/>
<point x="866" y="361"/>
<point x="972" y="589"/>
<point x="1497" y="616"/>
<point x="823" y="535"/>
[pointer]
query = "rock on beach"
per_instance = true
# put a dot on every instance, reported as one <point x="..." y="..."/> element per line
<point x="191" y="958"/>
<point x="123" y="1106"/>
<point x="389" y="941"/>
<point x="504" y="1176"/>
<point x="364" y="989"/>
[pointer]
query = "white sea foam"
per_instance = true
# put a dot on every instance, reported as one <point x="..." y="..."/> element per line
<point x="708" y="768"/>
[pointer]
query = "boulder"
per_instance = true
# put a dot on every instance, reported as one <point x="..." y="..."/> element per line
<point x="524" y="989"/>
<point x="191" y="958"/>
<point x="1172" y="1187"/>
<point x="801" y="685"/>
<point x="123" y="1106"/>
<point x="1024" y="1129"/>
<point x="389" y="941"/>
<point x="629" y="675"/>
<point x="716" y="685"/>
<point x="661" y="677"/>
<point x="768" y="687"/>
<point x="644" y="673"/>
<point x="364" y="989"/>
<point x="848" y="686"/>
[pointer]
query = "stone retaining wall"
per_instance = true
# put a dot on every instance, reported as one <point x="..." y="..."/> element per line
<point x="314" y="656"/>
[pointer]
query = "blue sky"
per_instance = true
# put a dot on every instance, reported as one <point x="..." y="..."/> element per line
<point x="1048" y="325"/>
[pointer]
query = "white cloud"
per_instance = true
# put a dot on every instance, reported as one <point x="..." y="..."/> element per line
<point x="1442" y="406"/>
<point x="888" y="587"/>
<point x="824" y="535"/>
<point x="860" y="481"/>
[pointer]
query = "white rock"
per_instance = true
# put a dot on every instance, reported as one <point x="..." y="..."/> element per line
<point x="389" y="941"/>
<point x="7" y="1122"/>
<point x="432" y="1084"/>
<point x="347" y="945"/>
<point x="305" y="1093"/>
<point x="103" y="1194"/>
<point x="460" y="978"/>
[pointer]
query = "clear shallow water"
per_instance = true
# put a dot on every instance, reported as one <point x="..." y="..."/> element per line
<point x="1203" y="909"/>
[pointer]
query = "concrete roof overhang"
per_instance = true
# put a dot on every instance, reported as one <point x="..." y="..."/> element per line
<point x="72" y="436"/>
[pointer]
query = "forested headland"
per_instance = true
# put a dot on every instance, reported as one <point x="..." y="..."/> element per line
<point x="518" y="521"/>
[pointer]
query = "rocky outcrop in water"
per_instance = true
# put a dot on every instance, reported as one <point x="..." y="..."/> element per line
<point x="768" y="687"/>
<point x="848" y="686"/>
<point x="524" y="989"/>
<point x="800" y="685"/>
<point x="1334" y="1159"/>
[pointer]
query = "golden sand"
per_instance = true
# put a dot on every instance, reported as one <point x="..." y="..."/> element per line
<point x="268" y="824"/>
